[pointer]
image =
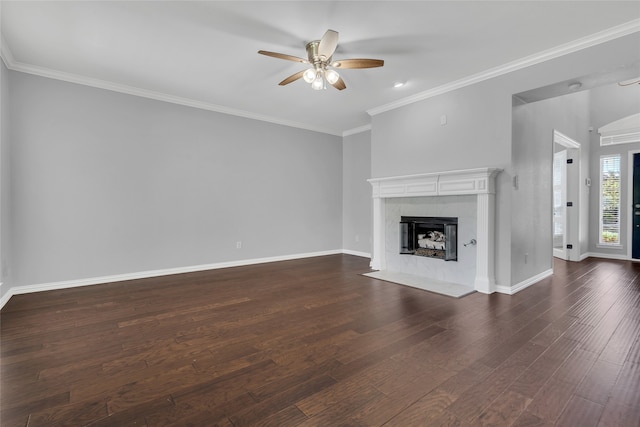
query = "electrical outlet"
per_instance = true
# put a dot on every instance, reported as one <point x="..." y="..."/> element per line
<point x="443" y="120"/>
<point x="357" y="238"/>
<point x="238" y="245"/>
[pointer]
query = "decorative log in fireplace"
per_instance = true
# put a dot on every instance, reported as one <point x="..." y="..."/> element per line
<point x="434" y="237"/>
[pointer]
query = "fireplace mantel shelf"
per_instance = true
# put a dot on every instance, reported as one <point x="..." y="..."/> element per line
<point x="450" y="183"/>
<point x="480" y="182"/>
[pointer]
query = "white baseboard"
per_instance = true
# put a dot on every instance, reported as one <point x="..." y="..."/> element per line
<point x="584" y="256"/>
<point x="356" y="253"/>
<point x="607" y="256"/>
<point x="17" y="290"/>
<point x="5" y="297"/>
<point x="524" y="284"/>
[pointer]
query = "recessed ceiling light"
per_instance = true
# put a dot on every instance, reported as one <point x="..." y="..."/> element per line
<point x="398" y="84"/>
<point x="575" y="85"/>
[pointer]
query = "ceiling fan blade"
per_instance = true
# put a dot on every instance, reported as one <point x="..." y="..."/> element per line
<point x="339" y="84"/>
<point x="629" y="82"/>
<point x="358" y="63"/>
<point x="292" y="78"/>
<point x="283" y="56"/>
<point x="328" y="44"/>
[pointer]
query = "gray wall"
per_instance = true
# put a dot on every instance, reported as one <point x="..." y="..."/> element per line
<point x="5" y="229"/>
<point x="411" y="140"/>
<point x="531" y="202"/>
<point x="610" y="103"/>
<point x="356" y="193"/>
<point x="105" y="183"/>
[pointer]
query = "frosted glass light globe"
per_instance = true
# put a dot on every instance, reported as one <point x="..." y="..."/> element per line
<point x="309" y="75"/>
<point x="332" y="76"/>
<point x="318" y="83"/>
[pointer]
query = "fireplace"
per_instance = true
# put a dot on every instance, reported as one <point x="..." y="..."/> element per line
<point x="433" y="237"/>
<point x="480" y="184"/>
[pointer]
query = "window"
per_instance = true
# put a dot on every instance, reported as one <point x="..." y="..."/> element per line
<point x="610" y="200"/>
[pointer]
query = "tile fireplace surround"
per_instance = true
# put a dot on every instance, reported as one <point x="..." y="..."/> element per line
<point x="479" y="182"/>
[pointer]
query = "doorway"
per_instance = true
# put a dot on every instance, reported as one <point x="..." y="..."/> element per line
<point x="635" y="207"/>
<point x="566" y="197"/>
<point x="559" y="202"/>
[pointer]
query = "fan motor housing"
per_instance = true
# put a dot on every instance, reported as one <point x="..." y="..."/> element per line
<point x="312" y="53"/>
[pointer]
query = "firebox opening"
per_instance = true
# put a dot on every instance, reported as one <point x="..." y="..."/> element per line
<point x="433" y="237"/>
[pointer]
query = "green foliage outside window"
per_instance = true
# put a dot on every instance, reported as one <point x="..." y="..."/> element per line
<point x="610" y="202"/>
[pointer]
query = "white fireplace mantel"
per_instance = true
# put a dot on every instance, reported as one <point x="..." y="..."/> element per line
<point x="480" y="182"/>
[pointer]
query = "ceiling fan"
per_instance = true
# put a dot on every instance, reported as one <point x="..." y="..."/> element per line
<point x="320" y="57"/>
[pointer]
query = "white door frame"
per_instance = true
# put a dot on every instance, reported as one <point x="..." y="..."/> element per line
<point x="561" y="252"/>
<point x="573" y="217"/>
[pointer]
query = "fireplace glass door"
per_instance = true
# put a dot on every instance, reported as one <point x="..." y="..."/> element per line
<point x="433" y="237"/>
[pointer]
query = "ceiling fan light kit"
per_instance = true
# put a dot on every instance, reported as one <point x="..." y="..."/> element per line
<point x="319" y="56"/>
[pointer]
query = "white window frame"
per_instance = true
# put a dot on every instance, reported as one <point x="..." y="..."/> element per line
<point x="602" y="243"/>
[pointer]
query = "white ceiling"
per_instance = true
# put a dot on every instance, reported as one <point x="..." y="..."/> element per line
<point x="205" y="53"/>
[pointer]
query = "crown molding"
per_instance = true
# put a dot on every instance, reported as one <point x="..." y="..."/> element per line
<point x="564" y="140"/>
<point x="354" y="131"/>
<point x="14" y="65"/>
<point x="5" y="53"/>
<point x="537" y="58"/>
<point x="567" y="48"/>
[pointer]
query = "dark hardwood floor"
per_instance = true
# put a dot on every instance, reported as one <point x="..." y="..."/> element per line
<point x="311" y="342"/>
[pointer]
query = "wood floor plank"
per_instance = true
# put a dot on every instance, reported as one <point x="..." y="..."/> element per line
<point x="280" y="401"/>
<point x="549" y="402"/>
<point x="466" y="378"/>
<point x="438" y="349"/>
<point x="514" y="343"/>
<point x="554" y="330"/>
<point x="336" y="414"/>
<point x="388" y="350"/>
<point x="23" y="409"/>
<point x="286" y="378"/>
<point x="580" y="412"/>
<point x="527" y="419"/>
<point x="621" y="341"/>
<point x="313" y="342"/>
<point x="535" y="376"/>
<point x="290" y="416"/>
<point x="634" y="352"/>
<point x="599" y="381"/>
<point x="424" y="410"/>
<point x="79" y="413"/>
<point x="505" y="410"/>
<point x="333" y="395"/>
<point x="476" y="399"/>
<point x="617" y="414"/>
<point x="626" y="390"/>
<point x="208" y="408"/>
